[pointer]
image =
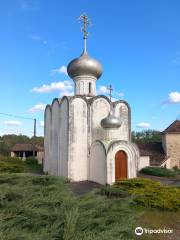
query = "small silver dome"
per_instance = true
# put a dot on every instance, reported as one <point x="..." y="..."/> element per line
<point x="111" y="121"/>
<point x="84" y="65"/>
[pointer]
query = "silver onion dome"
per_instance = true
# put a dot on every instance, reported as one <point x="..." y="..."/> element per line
<point x="84" y="65"/>
<point x="111" y="121"/>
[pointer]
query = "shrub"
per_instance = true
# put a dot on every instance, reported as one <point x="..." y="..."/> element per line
<point x="158" y="171"/>
<point x="114" y="192"/>
<point x="152" y="194"/>
<point x="47" y="209"/>
<point x="31" y="160"/>
<point x="11" y="165"/>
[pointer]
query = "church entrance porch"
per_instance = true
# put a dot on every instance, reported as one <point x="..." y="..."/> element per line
<point x="120" y="165"/>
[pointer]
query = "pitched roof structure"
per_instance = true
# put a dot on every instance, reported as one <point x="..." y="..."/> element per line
<point x="154" y="150"/>
<point x="26" y="147"/>
<point x="173" y="128"/>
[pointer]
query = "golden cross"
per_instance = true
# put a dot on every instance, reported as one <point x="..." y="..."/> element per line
<point x="110" y="91"/>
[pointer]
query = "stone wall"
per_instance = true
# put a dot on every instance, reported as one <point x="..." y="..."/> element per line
<point x="172" y="142"/>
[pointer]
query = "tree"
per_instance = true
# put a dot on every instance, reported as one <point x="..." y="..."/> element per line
<point x="146" y="136"/>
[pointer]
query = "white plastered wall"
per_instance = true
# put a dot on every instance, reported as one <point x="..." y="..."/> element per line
<point x="47" y="140"/>
<point x="100" y="108"/>
<point x="132" y="159"/>
<point x="82" y="85"/>
<point x="144" y="161"/>
<point x="78" y="150"/>
<point x="98" y="163"/>
<point x="121" y="109"/>
<point x="63" y="138"/>
<point x="55" y="137"/>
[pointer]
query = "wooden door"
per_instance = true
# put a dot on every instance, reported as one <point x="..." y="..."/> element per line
<point x="120" y="165"/>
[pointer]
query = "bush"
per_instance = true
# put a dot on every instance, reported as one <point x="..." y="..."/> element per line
<point x="158" y="171"/>
<point x="113" y="192"/>
<point x="32" y="165"/>
<point x="152" y="194"/>
<point x="44" y="208"/>
<point x="11" y="165"/>
<point x="16" y="165"/>
<point x="31" y="160"/>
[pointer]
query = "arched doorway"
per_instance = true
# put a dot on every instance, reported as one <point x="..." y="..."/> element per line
<point x="120" y="165"/>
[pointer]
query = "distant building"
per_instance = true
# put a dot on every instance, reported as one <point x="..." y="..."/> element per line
<point x="165" y="153"/>
<point x="24" y="150"/>
<point x="152" y="153"/>
<point x="171" y="144"/>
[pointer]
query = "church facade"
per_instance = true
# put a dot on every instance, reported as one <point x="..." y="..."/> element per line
<point x="88" y="137"/>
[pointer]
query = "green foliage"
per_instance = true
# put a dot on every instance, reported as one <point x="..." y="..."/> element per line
<point x="158" y="171"/>
<point x="32" y="165"/>
<point x="31" y="160"/>
<point x="4" y="149"/>
<point x="42" y="207"/>
<point x="16" y="165"/>
<point x="152" y="194"/>
<point x="113" y="192"/>
<point x="146" y="136"/>
<point x="11" y="165"/>
<point x="9" y="140"/>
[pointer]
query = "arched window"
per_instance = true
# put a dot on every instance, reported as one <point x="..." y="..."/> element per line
<point x="90" y="87"/>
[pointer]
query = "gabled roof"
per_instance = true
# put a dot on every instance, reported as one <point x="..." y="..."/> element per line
<point x="152" y="149"/>
<point x="25" y="147"/>
<point x="173" y="128"/>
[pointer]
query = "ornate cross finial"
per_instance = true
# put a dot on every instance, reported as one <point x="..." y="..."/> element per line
<point x="110" y="91"/>
<point x="86" y="22"/>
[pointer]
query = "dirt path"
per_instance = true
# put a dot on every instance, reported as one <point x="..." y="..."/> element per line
<point x="81" y="188"/>
<point x="163" y="180"/>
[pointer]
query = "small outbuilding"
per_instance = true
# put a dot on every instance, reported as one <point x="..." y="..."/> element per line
<point x="24" y="150"/>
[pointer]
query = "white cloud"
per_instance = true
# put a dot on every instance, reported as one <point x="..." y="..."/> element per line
<point x="102" y="90"/>
<point x="54" y="86"/>
<point x="105" y="91"/>
<point x="143" y="125"/>
<point x="62" y="69"/>
<point x="41" y="123"/>
<point x="174" y="97"/>
<point x="66" y="93"/>
<point x="37" y="108"/>
<point x="38" y="39"/>
<point x="120" y="94"/>
<point x="12" y="123"/>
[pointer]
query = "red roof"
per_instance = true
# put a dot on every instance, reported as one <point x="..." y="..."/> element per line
<point x="25" y="147"/>
<point x="173" y="128"/>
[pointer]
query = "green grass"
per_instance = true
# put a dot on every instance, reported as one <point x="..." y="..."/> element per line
<point x="16" y="165"/>
<point x="43" y="207"/>
<point x="150" y="194"/>
<point x="160" y="172"/>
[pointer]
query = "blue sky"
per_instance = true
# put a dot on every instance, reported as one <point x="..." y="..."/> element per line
<point x="137" y="42"/>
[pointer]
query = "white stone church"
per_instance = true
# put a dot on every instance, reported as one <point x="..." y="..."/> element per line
<point x="88" y="137"/>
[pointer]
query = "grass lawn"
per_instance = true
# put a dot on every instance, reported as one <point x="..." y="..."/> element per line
<point x="43" y="207"/>
<point x="154" y="219"/>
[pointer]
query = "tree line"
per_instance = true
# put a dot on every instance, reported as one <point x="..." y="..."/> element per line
<point x="8" y="141"/>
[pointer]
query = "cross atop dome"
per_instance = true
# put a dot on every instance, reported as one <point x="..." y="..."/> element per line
<point x="86" y="22"/>
<point x="84" y="70"/>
